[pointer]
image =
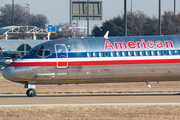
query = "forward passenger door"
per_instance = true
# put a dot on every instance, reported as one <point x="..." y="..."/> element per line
<point x="61" y="56"/>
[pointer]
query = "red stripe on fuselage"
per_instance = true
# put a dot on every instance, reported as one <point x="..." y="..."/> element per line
<point x="89" y="63"/>
<point x="28" y="64"/>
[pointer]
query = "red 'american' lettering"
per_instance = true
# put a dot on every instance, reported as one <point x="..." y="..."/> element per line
<point x="138" y="45"/>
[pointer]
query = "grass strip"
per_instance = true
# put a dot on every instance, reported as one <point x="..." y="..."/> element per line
<point x="91" y="112"/>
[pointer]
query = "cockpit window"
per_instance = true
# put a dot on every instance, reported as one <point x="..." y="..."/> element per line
<point x="46" y="53"/>
<point x="33" y="52"/>
<point x="40" y="52"/>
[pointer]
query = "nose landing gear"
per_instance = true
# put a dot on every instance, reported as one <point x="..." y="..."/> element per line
<point x="31" y="93"/>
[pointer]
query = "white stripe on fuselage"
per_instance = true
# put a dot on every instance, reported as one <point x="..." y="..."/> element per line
<point x="101" y="58"/>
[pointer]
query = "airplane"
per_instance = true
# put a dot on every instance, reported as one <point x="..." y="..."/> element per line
<point x="98" y="60"/>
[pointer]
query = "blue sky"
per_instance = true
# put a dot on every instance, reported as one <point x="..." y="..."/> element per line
<point x="57" y="11"/>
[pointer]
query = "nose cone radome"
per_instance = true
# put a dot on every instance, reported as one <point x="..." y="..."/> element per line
<point x="8" y="73"/>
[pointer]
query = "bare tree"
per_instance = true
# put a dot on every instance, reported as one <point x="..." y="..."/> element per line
<point x="170" y="23"/>
<point x="140" y="24"/>
<point x="39" y="20"/>
<point x="150" y="27"/>
<point x="135" y="22"/>
<point x="97" y="31"/>
<point x="115" y="26"/>
<point x="22" y="17"/>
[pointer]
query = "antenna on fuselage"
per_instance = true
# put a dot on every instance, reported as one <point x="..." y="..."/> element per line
<point x="148" y="84"/>
<point x="106" y="35"/>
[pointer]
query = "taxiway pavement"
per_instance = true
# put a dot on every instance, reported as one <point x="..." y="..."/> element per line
<point x="91" y="99"/>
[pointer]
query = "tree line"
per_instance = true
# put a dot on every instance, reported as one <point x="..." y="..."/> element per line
<point x="139" y="24"/>
<point x="22" y="17"/>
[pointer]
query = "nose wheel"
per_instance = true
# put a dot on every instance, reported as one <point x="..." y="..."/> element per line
<point x="31" y="93"/>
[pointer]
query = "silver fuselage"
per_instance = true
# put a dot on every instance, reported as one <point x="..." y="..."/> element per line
<point x="99" y="60"/>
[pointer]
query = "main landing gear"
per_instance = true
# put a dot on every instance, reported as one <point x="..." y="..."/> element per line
<point x="30" y="92"/>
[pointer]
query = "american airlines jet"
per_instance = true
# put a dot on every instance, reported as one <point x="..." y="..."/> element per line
<point x="98" y="60"/>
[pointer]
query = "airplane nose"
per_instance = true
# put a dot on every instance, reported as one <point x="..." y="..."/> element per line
<point x="8" y="73"/>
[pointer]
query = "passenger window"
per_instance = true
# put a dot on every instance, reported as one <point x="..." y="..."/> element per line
<point x="165" y="52"/>
<point x="112" y="54"/>
<point x="94" y="54"/>
<point x="47" y="52"/>
<point x="135" y="53"/>
<point x="153" y="53"/>
<point x="89" y="54"/>
<point x="40" y="52"/>
<point x="170" y="52"/>
<point x="100" y="54"/>
<point x="130" y="53"/>
<point x="147" y="53"/>
<point x="33" y="52"/>
<point x="141" y="53"/>
<point x="176" y="52"/>
<point x="124" y="53"/>
<point x="118" y="54"/>
<point x="159" y="52"/>
<point x="106" y="54"/>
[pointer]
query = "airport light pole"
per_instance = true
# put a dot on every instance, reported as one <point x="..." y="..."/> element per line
<point x="174" y="14"/>
<point x="1" y="8"/>
<point x="125" y="17"/>
<point x="174" y="7"/>
<point x="28" y="6"/>
<point x="131" y="6"/>
<point x="159" y="32"/>
<point x="88" y="17"/>
<point x="12" y="12"/>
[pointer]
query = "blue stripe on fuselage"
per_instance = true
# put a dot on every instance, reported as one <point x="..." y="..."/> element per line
<point x="105" y="54"/>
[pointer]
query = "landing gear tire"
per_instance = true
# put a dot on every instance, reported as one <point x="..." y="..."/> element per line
<point x="31" y="93"/>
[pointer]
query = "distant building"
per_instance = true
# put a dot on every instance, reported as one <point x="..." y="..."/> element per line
<point x="17" y="47"/>
<point x="23" y="32"/>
